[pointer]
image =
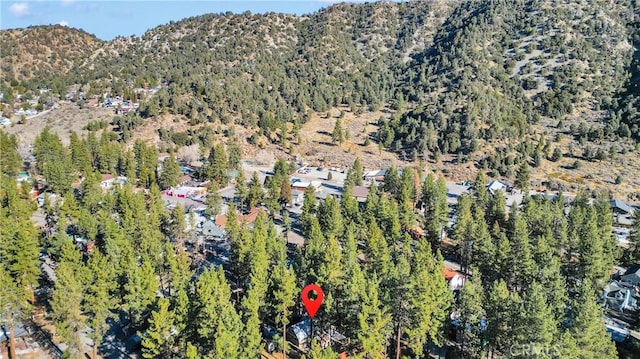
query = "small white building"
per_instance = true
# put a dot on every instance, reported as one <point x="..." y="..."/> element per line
<point x="496" y="186"/>
<point x="107" y="181"/>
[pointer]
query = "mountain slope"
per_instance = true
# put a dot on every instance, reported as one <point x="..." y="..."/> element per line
<point x="462" y="74"/>
<point x="43" y="51"/>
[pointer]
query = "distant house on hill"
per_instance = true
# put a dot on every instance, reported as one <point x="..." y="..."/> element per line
<point x="496" y="186"/>
<point x="619" y="207"/>
<point x="377" y="175"/>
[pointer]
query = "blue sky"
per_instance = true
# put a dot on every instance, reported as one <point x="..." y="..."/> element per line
<point x="109" y="18"/>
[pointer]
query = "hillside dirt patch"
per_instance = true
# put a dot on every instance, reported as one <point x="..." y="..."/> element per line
<point x="62" y="121"/>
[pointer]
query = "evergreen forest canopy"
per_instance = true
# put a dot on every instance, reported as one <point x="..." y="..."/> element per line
<point x="536" y="271"/>
<point x="459" y="74"/>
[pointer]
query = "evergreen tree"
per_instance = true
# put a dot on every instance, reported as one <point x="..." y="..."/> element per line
<point x="235" y="155"/>
<point x="158" y="339"/>
<point x="170" y="174"/>
<point x="337" y="136"/>
<point x="391" y="181"/>
<point x="522" y="177"/>
<point x="523" y="265"/>
<point x="434" y="201"/>
<point x="430" y="298"/>
<point x="589" y="331"/>
<point x="140" y="291"/>
<point x="213" y="200"/>
<point x="10" y="161"/>
<point x="634" y="240"/>
<point x="309" y="209"/>
<point x="538" y="328"/>
<point x="373" y="322"/>
<point x="13" y="307"/>
<point x="284" y="289"/>
<point x="241" y="188"/>
<point x="255" y="194"/>
<point x="502" y="310"/>
<point x="254" y="301"/>
<point x="330" y="217"/>
<point x="377" y="251"/>
<point x="99" y="300"/>
<point x="217" y="168"/>
<point x="480" y="185"/>
<point x="217" y="324"/>
<point x="471" y="319"/>
<point x="66" y="306"/>
<point x="285" y="196"/>
<point x="355" y="174"/>
<point x="23" y="257"/>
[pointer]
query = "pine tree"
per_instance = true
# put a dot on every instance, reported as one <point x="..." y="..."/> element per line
<point x="538" y="328"/>
<point x="217" y="168"/>
<point x="241" y="188"/>
<point x="472" y="315"/>
<point x="140" y="291"/>
<point x="158" y="340"/>
<point x="255" y="194"/>
<point x="213" y="201"/>
<point x="378" y="256"/>
<point x="522" y="177"/>
<point x="217" y="324"/>
<point x="66" y="305"/>
<point x="330" y="217"/>
<point x="309" y="209"/>
<point x="13" y="306"/>
<point x="430" y="298"/>
<point x="523" y="265"/>
<point x="337" y="136"/>
<point x="254" y="301"/>
<point x="589" y="331"/>
<point x="22" y="259"/>
<point x="502" y="308"/>
<point x="355" y="174"/>
<point x="99" y="300"/>
<point x="235" y="155"/>
<point x="434" y="200"/>
<point x="373" y="322"/>
<point x="480" y="185"/>
<point x="391" y="181"/>
<point x="285" y="196"/>
<point x="10" y="160"/>
<point x="170" y="174"/>
<point x="284" y="289"/>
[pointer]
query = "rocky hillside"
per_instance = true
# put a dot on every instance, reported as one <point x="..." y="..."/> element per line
<point x="460" y="73"/>
<point x="43" y="51"/>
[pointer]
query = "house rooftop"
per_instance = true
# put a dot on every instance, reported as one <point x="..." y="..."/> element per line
<point x="221" y="221"/>
<point x="360" y="191"/>
<point x="622" y="206"/>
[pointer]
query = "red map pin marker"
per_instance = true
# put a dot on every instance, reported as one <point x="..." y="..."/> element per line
<point x="312" y="305"/>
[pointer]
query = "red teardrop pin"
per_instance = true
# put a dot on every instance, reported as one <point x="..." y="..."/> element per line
<point x="312" y="305"/>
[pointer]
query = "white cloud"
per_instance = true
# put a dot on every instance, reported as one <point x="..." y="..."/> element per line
<point x="63" y="23"/>
<point x="19" y="9"/>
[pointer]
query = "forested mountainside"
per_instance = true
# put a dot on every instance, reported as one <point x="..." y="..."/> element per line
<point x="43" y="52"/>
<point x="460" y="73"/>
